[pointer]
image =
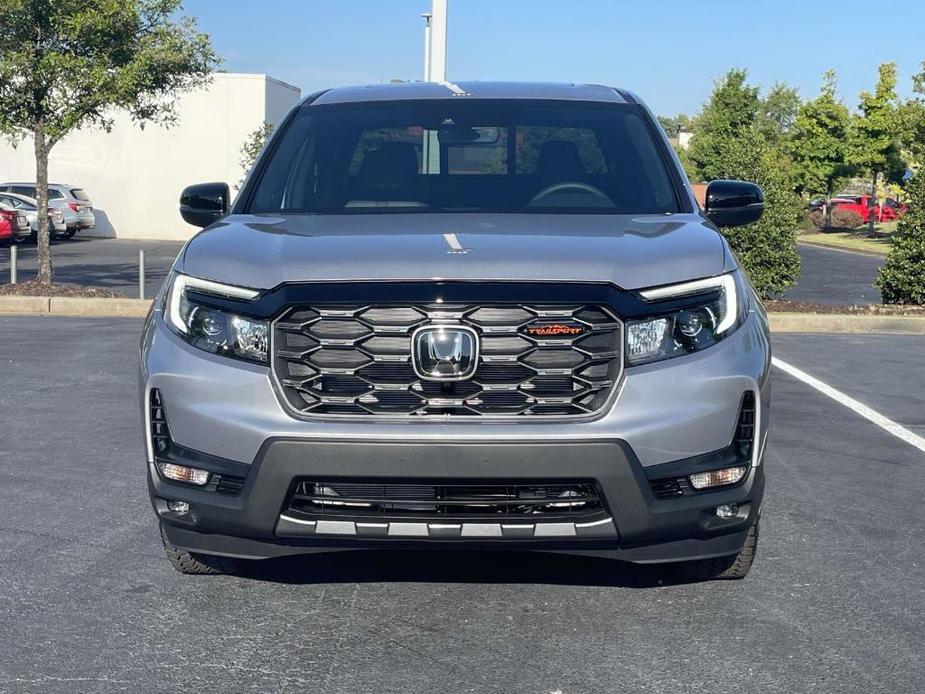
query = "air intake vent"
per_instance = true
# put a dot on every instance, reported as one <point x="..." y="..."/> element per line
<point x="160" y="435"/>
<point x="667" y="488"/>
<point x="229" y="485"/>
<point x="745" y="429"/>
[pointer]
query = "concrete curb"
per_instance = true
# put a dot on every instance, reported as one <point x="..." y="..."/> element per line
<point x="73" y="306"/>
<point x="846" y="324"/>
<point x="780" y="322"/>
<point x="833" y="247"/>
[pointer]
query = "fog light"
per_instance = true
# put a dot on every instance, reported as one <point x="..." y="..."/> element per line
<point x="178" y="506"/>
<point x="180" y="473"/>
<point x="727" y="510"/>
<point x="718" y="478"/>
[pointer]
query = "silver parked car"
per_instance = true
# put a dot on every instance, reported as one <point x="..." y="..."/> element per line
<point x="61" y="195"/>
<point x="57" y="224"/>
<point x="473" y="315"/>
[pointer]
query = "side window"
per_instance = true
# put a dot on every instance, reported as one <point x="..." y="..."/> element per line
<point x="28" y="191"/>
<point x="531" y="138"/>
<point x="54" y="194"/>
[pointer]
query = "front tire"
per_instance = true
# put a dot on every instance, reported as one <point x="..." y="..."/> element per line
<point x="732" y="567"/>
<point x="196" y="564"/>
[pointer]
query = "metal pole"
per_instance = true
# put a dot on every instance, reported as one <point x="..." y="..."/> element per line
<point x="141" y="274"/>
<point x="426" y="17"/>
<point x="438" y="42"/>
<point x="14" y="252"/>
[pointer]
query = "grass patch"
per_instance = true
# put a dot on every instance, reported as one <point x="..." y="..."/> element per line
<point x="853" y="240"/>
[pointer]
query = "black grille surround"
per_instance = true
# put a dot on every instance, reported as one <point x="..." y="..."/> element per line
<point x="355" y="359"/>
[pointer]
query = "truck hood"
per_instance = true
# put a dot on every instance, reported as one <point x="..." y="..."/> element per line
<point x="632" y="252"/>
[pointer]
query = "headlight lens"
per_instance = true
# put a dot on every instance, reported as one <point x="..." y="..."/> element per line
<point x="690" y="329"/>
<point x="214" y="330"/>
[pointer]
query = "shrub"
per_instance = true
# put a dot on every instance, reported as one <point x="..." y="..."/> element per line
<point x="841" y="219"/>
<point x="766" y="249"/>
<point x="902" y="278"/>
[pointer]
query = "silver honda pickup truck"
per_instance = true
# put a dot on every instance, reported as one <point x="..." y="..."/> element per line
<point x="460" y="315"/>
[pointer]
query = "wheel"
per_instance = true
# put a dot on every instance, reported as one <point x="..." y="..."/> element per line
<point x="69" y="234"/>
<point x="197" y="564"/>
<point x="735" y="566"/>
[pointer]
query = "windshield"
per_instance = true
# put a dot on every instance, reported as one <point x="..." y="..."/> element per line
<point x="457" y="156"/>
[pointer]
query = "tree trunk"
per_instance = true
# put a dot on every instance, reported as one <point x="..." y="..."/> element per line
<point x="41" y="200"/>
<point x="873" y="200"/>
<point x="828" y="206"/>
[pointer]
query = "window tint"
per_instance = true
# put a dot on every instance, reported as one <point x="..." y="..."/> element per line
<point x="80" y="194"/>
<point x="457" y="156"/>
<point x="28" y="191"/>
<point x="55" y="194"/>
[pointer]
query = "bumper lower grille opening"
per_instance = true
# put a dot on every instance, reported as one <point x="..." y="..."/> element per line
<point x="535" y="359"/>
<point x="160" y="435"/>
<point x="428" y="501"/>
<point x="745" y="428"/>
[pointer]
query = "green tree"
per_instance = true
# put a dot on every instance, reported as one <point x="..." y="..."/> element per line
<point x="818" y="144"/>
<point x="777" y="112"/>
<point x="902" y="278"/>
<point x="731" y="111"/>
<point x="728" y="143"/>
<point x="875" y="130"/>
<point x="912" y="119"/>
<point x="252" y="147"/>
<point x="65" y="64"/>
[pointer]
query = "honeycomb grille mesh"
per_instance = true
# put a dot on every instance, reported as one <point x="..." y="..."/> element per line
<point x="357" y="360"/>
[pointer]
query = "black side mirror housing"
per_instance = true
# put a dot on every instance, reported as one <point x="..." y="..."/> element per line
<point x="733" y="203"/>
<point x="204" y="203"/>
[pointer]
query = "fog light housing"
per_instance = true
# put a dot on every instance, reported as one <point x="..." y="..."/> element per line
<point x="181" y="473"/>
<point x="718" y="478"/>
<point x="727" y="511"/>
<point x="178" y="506"/>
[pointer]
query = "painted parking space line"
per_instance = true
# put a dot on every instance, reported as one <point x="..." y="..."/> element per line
<point x="885" y="423"/>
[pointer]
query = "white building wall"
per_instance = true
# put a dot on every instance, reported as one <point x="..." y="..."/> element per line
<point x="135" y="176"/>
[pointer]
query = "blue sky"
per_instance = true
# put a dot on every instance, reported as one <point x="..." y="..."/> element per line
<point x="668" y="52"/>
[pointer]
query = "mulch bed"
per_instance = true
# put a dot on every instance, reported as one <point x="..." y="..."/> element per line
<point x="33" y="288"/>
<point x="787" y="306"/>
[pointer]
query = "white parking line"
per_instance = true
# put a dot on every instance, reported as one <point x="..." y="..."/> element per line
<point x="885" y="423"/>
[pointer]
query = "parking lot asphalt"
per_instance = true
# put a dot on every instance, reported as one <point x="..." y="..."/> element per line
<point x="836" y="277"/>
<point x="88" y="602"/>
<point x="829" y="276"/>
<point x="110" y="263"/>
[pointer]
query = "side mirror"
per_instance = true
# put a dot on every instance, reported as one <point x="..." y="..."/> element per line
<point x="733" y="203"/>
<point x="204" y="203"/>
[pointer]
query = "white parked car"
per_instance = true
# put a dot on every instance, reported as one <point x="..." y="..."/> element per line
<point x="57" y="221"/>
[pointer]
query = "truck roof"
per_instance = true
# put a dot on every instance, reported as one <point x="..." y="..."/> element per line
<point x="468" y="89"/>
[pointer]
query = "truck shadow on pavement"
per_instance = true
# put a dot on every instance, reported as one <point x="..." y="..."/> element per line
<point x="460" y="566"/>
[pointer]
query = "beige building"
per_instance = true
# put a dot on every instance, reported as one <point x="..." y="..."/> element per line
<point x="135" y="176"/>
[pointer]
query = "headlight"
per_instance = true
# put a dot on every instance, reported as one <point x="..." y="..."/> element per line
<point x="690" y="329"/>
<point x="211" y="329"/>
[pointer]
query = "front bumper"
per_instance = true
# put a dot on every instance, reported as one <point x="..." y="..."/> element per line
<point x="665" y="416"/>
<point x="642" y="528"/>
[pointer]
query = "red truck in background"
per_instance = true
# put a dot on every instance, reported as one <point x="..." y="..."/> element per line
<point x="865" y="206"/>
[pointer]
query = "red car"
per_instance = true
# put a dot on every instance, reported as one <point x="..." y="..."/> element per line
<point x="13" y="224"/>
<point x="864" y="206"/>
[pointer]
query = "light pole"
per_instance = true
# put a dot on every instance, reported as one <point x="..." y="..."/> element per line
<point x="427" y="17"/>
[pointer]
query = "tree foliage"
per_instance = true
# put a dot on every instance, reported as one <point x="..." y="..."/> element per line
<point x="912" y="119"/>
<point x="66" y="64"/>
<point x="252" y="147"/>
<point x="818" y="143"/>
<point x="902" y="278"/>
<point x="728" y="143"/>
<point x="777" y="112"/>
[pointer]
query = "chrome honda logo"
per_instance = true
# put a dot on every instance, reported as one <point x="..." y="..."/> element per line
<point x="445" y="352"/>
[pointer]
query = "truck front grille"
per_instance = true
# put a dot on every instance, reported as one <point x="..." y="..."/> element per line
<point x="533" y="360"/>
